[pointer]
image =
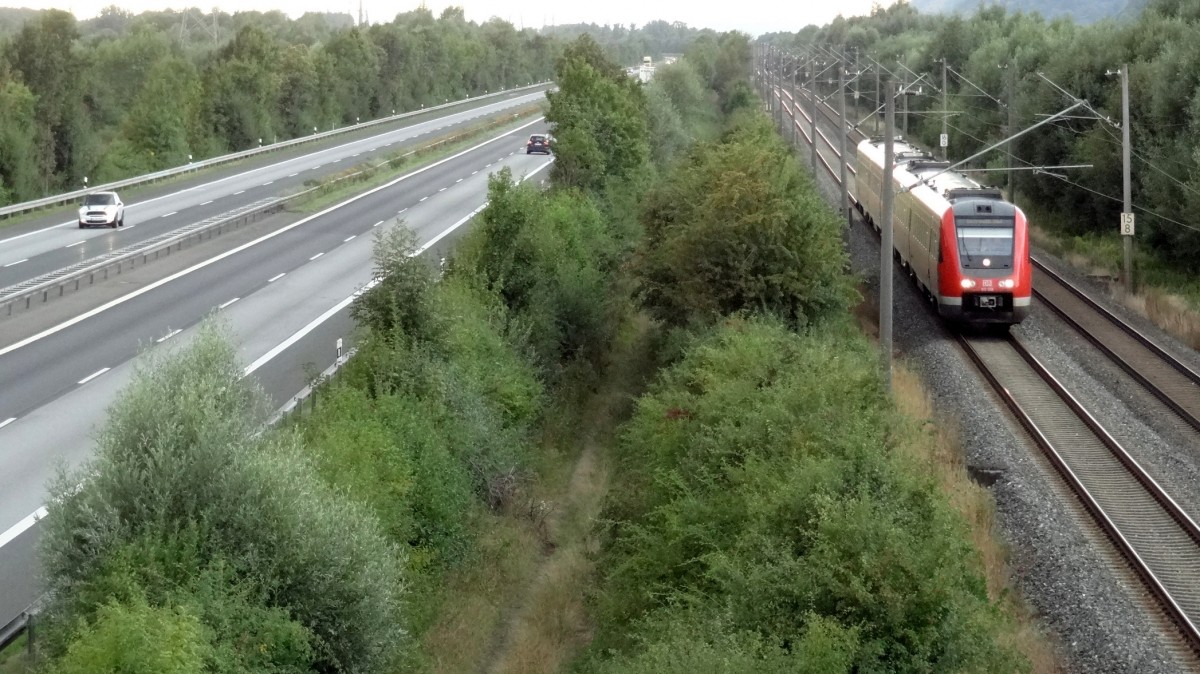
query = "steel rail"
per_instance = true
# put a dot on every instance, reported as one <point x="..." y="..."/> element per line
<point x="1132" y="545"/>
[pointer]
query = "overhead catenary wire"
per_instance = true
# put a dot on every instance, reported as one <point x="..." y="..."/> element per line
<point x="1136" y="206"/>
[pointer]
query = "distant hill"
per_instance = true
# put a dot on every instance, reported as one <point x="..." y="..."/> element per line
<point x="1083" y="11"/>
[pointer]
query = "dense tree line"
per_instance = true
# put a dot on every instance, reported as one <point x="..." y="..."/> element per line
<point x="121" y="95"/>
<point x="1003" y="53"/>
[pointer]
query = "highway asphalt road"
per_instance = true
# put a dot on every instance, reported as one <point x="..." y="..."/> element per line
<point x="284" y="296"/>
<point x="40" y="247"/>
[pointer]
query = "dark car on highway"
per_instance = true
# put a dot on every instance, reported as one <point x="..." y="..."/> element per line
<point x="538" y="142"/>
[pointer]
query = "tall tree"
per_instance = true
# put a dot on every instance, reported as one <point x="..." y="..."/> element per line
<point x="599" y="120"/>
<point x="46" y="58"/>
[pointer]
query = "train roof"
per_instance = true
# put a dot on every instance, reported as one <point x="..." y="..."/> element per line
<point x="924" y="168"/>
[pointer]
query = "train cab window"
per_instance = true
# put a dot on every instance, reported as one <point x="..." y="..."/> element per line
<point x="985" y="243"/>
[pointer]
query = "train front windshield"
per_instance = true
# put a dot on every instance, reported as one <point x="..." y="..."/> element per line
<point x="985" y="243"/>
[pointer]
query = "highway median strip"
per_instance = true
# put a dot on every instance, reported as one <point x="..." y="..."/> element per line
<point x="373" y="174"/>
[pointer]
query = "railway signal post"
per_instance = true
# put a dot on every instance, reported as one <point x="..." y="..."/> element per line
<point x="1127" y="218"/>
<point x="843" y="132"/>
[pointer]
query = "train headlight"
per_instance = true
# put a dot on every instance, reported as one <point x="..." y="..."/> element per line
<point x="967" y="283"/>
<point x="1008" y="283"/>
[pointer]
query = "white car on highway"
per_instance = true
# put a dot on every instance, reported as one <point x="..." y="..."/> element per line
<point x="102" y="209"/>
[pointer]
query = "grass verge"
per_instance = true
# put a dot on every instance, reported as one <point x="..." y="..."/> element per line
<point x="367" y="176"/>
<point x="521" y="607"/>
<point x="939" y="449"/>
<point x="13" y="659"/>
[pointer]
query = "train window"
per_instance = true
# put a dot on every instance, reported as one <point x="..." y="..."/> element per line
<point x="981" y="247"/>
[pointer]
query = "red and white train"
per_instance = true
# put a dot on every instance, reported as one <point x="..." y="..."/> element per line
<point x="966" y="247"/>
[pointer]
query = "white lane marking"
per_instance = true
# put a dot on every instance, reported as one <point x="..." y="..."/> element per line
<point x="249" y="244"/>
<point x="239" y="192"/>
<point x="422" y="199"/>
<point x="488" y="109"/>
<point x="93" y="376"/>
<point x="170" y="214"/>
<point x="372" y="149"/>
<point x="316" y="167"/>
<point x="335" y="161"/>
<point x="7" y="421"/>
<point x="293" y="175"/>
<point x="315" y="257"/>
<point x="402" y="210"/>
<point x="20" y="527"/>
<point x="352" y="237"/>
<point x="207" y="202"/>
<point x="72" y="245"/>
<point x="377" y="224"/>
<point x="222" y="306"/>
<point x="474" y="172"/>
<point x="354" y="155"/>
<point x="488" y="166"/>
<point x="130" y="226"/>
<point x="276" y="277"/>
<point x="458" y="181"/>
<point x="268" y="183"/>
<point x="13" y="264"/>
<point x="442" y="190"/>
<point x="167" y="336"/>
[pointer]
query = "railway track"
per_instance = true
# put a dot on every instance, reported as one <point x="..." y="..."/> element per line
<point x="1167" y="378"/>
<point x="1159" y="540"/>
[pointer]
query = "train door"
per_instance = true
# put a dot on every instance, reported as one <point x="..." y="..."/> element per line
<point x="935" y="259"/>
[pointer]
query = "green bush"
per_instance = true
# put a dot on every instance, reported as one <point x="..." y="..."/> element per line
<point x="398" y="307"/>
<point x="389" y="453"/>
<point x="482" y="395"/>
<point x="757" y="484"/>
<point x="551" y="259"/>
<point x="672" y="643"/>
<point x="739" y="228"/>
<point x="180" y="457"/>
<point x="240" y="632"/>
<point x="136" y="639"/>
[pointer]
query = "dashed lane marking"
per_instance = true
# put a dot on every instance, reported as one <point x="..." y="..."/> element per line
<point x="93" y="376"/>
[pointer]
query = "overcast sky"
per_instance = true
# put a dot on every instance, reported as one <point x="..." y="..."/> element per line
<point x="752" y="16"/>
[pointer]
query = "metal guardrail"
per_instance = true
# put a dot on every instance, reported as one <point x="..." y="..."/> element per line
<point x="117" y="261"/>
<point x="8" y="211"/>
<point x="16" y="627"/>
